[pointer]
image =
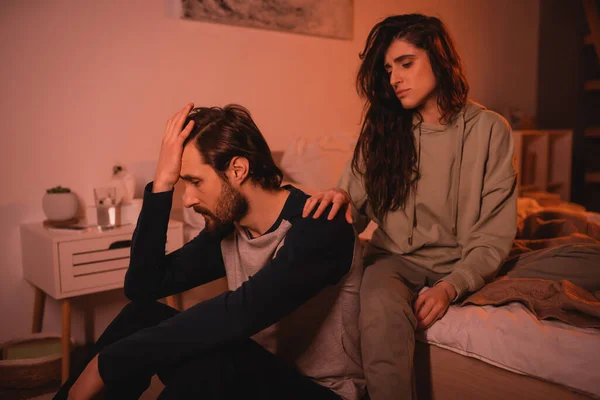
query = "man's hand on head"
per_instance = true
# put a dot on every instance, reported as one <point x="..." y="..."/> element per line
<point x="171" y="150"/>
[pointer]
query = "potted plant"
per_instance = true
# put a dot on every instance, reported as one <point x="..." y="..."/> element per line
<point x="59" y="204"/>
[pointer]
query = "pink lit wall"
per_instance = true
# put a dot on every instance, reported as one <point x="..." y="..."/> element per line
<point x="87" y="84"/>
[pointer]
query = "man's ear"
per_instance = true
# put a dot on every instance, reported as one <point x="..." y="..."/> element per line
<point x="239" y="170"/>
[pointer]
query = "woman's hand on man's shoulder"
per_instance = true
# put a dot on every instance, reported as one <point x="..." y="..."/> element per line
<point x="335" y="197"/>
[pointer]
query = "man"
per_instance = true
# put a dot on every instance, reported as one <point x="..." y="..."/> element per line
<point x="292" y="308"/>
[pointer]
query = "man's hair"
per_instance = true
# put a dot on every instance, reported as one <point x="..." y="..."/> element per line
<point x="385" y="153"/>
<point x="220" y="134"/>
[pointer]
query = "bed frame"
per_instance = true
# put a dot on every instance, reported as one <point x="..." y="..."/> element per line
<point x="444" y="375"/>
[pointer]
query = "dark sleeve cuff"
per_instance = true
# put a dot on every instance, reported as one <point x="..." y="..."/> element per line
<point x="156" y="204"/>
<point x="160" y="198"/>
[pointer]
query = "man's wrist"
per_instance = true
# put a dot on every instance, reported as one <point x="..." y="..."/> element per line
<point x="161" y="186"/>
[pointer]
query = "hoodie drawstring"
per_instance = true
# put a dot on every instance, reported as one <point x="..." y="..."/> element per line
<point x="413" y="197"/>
<point x="460" y="124"/>
<point x="412" y="214"/>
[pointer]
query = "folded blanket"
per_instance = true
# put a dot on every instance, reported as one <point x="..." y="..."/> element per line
<point x="553" y="244"/>
<point x="561" y="300"/>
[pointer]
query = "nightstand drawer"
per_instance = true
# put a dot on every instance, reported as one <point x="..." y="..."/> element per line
<point x="101" y="262"/>
<point x="93" y="262"/>
<point x="67" y="264"/>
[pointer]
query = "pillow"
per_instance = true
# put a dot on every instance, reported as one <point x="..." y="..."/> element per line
<point x="317" y="164"/>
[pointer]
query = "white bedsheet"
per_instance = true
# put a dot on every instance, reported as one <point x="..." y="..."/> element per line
<point x="512" y="338"/>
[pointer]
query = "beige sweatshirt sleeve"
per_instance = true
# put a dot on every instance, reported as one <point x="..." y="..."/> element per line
<point x="490" y="239"/>
<point x="354" y="186"/>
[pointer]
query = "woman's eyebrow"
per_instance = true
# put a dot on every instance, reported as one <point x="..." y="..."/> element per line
<point x="400" y="59"/>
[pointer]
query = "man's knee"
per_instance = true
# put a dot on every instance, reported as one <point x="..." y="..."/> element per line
<point x="146" y="306"/>
<point x="146" y="313"/>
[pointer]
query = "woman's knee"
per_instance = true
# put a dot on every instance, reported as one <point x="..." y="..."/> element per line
<point x="382" y="287"/>
<point x="388" y="304"/>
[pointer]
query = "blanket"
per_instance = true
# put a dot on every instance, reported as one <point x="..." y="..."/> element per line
<point x="546" y="299"/>
<point x="555" y="298"/>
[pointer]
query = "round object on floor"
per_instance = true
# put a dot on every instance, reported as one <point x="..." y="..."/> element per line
<point x="31" y="361"/>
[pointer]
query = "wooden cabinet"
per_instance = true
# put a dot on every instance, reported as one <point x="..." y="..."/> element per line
<point x="66" y="264"/>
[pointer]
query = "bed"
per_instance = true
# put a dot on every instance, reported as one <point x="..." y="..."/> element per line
<point x="506" y="352"/>
<point x="443" y="374"/>
<point x="474" y="351"/>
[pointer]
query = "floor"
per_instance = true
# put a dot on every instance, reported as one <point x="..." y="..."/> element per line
<point x="41" y="393"/>
<point x="46" y="392"/>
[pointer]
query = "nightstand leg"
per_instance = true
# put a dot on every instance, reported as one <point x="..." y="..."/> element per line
<point x="38" y="311"/>
<point x="66" y="338"/>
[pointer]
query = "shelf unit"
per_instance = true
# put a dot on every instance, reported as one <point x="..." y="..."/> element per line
<point x="543" y="161"/>
<point x="592" y="177"/>
<point x="569" y="91"/>
<point x="592" y="132"/>
<point x="591" y="87"/>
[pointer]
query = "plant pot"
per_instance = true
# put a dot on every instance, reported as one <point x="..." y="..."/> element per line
<point x="60" y="206"/>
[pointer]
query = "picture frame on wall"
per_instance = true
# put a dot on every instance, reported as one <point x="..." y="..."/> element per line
<point x="326" y="18"/>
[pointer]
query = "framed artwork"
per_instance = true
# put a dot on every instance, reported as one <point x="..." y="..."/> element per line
<point x="328" y="18"/>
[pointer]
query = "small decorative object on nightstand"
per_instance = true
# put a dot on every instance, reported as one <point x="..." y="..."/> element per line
<point x="65" y="263"/>
<point x="124" y="182"/>
<point x="59" y="204"/>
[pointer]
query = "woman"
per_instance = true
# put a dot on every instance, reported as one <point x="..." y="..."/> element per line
<point x="434" y="171"/>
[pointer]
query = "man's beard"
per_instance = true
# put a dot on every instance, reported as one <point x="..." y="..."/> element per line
<point x="232" y="206"/>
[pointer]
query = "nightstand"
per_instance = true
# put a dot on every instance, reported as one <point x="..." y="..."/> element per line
<point x="65" y="264"/>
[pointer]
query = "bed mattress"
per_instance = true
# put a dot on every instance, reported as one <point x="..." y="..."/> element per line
<point x="512" y="338"/>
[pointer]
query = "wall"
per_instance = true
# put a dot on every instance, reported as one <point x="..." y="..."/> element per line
<point x="87" y="84"/>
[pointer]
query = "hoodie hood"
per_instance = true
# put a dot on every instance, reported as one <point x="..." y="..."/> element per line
<point x="468" y="114"/>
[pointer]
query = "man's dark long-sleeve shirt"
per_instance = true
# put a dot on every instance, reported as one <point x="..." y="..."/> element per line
<point x="300" y="261"/>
